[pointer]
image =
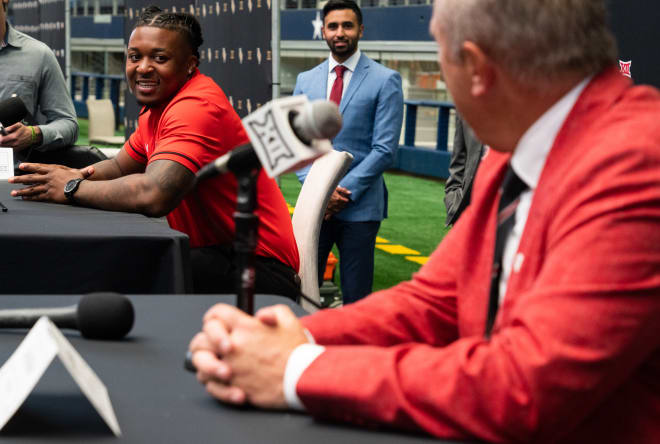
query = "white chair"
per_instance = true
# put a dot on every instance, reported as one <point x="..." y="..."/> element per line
<point x="102" y="122"/>
<point x="322" y="179"/>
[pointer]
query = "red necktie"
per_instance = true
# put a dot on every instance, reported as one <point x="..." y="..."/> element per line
<point x="338" y="86"/>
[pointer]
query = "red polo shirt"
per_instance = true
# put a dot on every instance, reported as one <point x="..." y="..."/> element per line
<point x="194" y="128"/>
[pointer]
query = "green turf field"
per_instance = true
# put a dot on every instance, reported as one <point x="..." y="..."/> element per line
<point x="416" y="220"/>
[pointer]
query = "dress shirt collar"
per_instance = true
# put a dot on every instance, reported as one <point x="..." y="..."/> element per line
<point x="533" y="147"/>
<point x="12" y="38"/>
<point x="350" y="63"/>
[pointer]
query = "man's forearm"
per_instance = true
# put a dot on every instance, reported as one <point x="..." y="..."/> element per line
<point x="155" y="192"/>
<point x="133" y="193"/>
<point x="106" y="170"/>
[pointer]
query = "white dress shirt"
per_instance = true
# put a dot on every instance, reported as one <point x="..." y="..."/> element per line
<point x="527" y="161"/>
<point x="350" y="64"/>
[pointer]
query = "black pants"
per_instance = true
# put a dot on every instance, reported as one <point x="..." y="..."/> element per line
<point x="214" y="272"/>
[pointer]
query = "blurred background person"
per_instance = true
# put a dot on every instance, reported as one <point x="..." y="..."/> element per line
<point x="29" y="69"/>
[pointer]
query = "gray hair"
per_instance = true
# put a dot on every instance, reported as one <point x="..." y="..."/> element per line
<point x="532" y="39"/>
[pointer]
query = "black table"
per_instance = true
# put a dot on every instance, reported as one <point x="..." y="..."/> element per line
<point x="63" y="249"/>
<point x="155" y="400"/>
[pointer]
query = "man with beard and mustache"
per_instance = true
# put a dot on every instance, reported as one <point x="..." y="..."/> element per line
<point x="186" y="122"/>
<point x="370" y="100"/>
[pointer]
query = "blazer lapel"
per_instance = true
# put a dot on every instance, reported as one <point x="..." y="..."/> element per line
<point x="361" y="71"/>
<point x="320" y="90"/>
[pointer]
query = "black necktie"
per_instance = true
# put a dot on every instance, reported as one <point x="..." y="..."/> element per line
<point x="512" y="187"/>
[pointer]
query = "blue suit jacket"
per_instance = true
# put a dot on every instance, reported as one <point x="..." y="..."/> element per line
<point x="372" y="112"/>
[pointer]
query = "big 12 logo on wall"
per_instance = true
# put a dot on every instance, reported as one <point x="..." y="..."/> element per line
<point x="624" y="67"/>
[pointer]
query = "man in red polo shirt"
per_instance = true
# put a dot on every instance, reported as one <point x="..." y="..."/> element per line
<point x="186" y="123"/>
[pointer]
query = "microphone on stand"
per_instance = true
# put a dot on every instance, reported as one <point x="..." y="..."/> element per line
<point x="96" y="316"/>
<point x="271" y="142"/>
<point x="12" y="110"/>
<point x="285" y="135"/>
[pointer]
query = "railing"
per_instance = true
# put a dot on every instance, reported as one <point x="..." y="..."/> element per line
<point x="425" y="161"/>
<point x="103" y="85"/>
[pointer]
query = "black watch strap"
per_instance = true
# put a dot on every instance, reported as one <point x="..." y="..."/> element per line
<point x="70" y="188"/>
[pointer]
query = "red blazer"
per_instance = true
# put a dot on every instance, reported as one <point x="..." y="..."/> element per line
<point x="575" y="353"/>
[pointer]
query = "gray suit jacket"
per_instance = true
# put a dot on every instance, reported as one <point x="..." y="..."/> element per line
<point x="463" y="167"/>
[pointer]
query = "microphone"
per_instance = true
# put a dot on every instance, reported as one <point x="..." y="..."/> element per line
<point x="285" y="134"/>
<point x="319" y="119"/>
<point x="12" y="110"/>
<point x="97" y="316"/>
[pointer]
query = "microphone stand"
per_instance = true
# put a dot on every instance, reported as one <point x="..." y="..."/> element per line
<point x="245" y="240"/>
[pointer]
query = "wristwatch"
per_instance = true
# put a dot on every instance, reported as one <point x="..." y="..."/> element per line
<point x="71" y="187"/>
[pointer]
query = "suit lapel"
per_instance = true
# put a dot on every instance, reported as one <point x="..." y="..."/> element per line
<point x="320" y="90"/>
<point x="361" y="71"/>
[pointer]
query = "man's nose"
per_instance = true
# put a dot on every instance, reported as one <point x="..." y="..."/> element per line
<point x="144" y="65"/>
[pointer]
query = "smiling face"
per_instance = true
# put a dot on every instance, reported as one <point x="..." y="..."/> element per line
<point x="158" y="63"/>
<point x="342" y="33"/>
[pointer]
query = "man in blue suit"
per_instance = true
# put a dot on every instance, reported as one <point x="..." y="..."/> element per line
<point x="370" y="100"/>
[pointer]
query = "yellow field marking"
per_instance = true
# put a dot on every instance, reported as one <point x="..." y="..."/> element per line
<point x="386" y="246"/>
<point x="398" y="249"/>
<point x="418" y="259"/>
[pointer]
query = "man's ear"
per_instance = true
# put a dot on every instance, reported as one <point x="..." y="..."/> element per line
<point x="193" y="62"/>
<point x="479" y="67"/>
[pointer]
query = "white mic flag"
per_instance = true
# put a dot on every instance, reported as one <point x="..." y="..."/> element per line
<point x="274" y="141"/>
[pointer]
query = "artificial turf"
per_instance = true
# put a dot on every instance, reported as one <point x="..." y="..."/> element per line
<point x="416" y="219"/>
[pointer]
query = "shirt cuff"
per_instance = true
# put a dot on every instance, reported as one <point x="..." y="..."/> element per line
<point x="301" y="358"/>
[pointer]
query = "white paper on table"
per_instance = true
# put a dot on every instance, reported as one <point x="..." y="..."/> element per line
<point x="20" y="374"/>
<point x="6" y="163"/>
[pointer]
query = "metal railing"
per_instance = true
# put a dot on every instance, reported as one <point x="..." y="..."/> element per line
<point x="424" y="161"/>
<point x="101" y="86"/>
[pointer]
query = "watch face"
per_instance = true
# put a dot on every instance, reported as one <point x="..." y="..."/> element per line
<point x="71" y="187"/>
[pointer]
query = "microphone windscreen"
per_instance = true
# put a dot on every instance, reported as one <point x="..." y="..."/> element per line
<point x="319" y="119"/>
<point x="326" y="118"/>
<point x="105" y="316"/>
<point x="12" y="110"/>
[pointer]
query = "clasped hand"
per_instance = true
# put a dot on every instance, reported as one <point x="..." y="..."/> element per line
<point x="46" y="182"/>
<point x="241" y="358"/>
<point x="338" y="200"/>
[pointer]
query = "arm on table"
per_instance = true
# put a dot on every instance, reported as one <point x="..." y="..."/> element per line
<point x="155" y="192"/>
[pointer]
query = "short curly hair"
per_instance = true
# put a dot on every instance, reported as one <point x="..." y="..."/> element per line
<point x="181" y="22"/>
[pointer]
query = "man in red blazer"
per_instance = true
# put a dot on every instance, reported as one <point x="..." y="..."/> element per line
<point x="573" y="354"/>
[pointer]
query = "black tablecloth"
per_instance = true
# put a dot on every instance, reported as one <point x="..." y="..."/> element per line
<point x="155" y="400"/>
<point x="64" y="249"/>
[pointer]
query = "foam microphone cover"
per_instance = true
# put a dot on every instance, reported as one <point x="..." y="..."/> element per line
<point x="12" y="110"/>
<point x="105" y="316"/>
<point x="319" y="119"/>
